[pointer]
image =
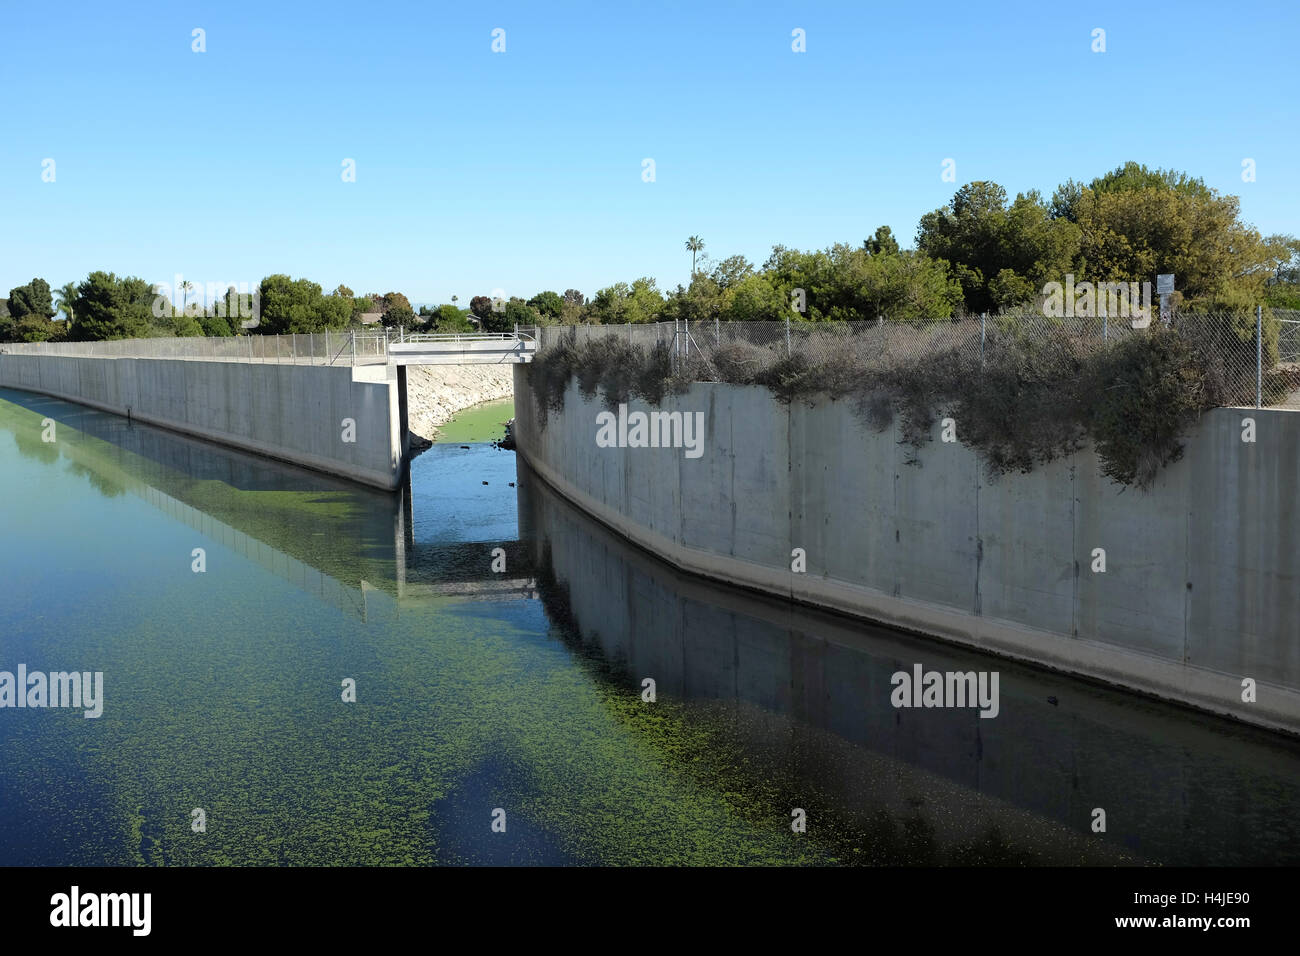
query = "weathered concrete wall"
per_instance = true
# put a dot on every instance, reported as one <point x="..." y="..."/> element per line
<point x="1202" y="582"/>
<point x="290" y="412"/>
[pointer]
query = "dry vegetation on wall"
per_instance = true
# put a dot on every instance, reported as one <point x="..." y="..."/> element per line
<point x="1021" y="394"/>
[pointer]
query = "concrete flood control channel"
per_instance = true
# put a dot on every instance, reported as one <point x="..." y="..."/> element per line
<point x="530" y="700"/>
<point x="1198" y="603"/>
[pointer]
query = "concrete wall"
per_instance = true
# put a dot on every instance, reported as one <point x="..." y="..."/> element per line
<point x="1202" y="580"/>
<point x="815" y="689"/>
<point x="290" y="412"/>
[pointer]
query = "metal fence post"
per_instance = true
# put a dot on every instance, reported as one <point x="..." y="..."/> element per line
<point x="354" y="348"/>
<point x="717" y="331"/>
<point x="787" y="336"/>
<point x="1259" y="356"/>
<point x="983" y="319"/>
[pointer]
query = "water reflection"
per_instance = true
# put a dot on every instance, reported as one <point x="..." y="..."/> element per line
<point x="522" y="687"/>
<point x="802" y="703"/>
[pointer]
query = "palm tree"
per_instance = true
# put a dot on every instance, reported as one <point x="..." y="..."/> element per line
<point x="185" y="287"/>
<point x="64" y="296"/>
<point x="694" y="244"/>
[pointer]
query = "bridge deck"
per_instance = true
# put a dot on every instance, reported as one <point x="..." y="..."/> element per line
<point x="474" y="349"/>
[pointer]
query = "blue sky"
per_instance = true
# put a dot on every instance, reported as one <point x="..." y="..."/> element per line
<point x="522" y="170"/>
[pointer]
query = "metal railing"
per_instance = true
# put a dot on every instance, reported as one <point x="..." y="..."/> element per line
<point x="458" y="337"/>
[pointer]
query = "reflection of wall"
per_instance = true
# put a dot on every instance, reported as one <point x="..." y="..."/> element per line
<point x="1202" y="586"/>
<point x="328" y="590"/>
<point x="273" y="514"/>
<point x="290" y="412"/>
<point x="1179" y="788"/>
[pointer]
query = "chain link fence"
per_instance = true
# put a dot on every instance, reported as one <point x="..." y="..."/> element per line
<point x="1251" y="362"/>
<point x="318" y="348"/>
<point x="1248" y="364"/>
<point x="1288" y="338"/>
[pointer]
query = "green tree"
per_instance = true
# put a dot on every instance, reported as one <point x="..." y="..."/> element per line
<point x="333" y="312"/>
<point x="639" y="302"/>
<point x="575" y="307"/>
<point x="882" y="243"/>
<point x="701" y="300"/>
<point x="449" y="318"/>
<point x="1000" y="254"/>
<point x="1137" y="223"/>
<point x="845" y="283"/>
<point x="397" y="311"/>
<point x="516" y="313"/>
<point x="645" y="302"/>
<point x="548" y="304"/>
<point x="480" y="306"/>
<point x="730" y="271"/>
<point x="31" y="299"/>
<point x="216" y="326"/>
<point x="694" y="245"/>
<point x="107" y="307"/>
<point x="179" y="325"/>
<point x="609" y="305"/>
<point x="64" y="297"/>
<point x="752" y="298"/>
<point x="1282" y="288"/>
<point x="287" y="304"/>
<point x="298" y="305"/>
<point x="36" y="328"/>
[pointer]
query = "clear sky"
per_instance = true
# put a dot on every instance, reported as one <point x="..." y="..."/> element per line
<point x="522" y="170"/>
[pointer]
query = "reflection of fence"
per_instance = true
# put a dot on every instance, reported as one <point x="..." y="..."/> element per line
<point x="1246" y="356"/>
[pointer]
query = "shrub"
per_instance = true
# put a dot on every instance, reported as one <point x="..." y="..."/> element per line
<point x="1023" y="395"/>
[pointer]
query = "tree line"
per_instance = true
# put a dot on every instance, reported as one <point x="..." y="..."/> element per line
<point x="977" y="253"/>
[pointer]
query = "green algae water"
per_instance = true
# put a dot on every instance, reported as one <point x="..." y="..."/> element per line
<point x="499" y="645"/>
<point x="481" y="423"/>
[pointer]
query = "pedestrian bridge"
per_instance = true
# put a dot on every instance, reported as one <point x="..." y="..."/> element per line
<point x="477" y="348"/>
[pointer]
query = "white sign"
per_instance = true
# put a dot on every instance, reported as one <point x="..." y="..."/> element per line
<point x="1165" y="283"/>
